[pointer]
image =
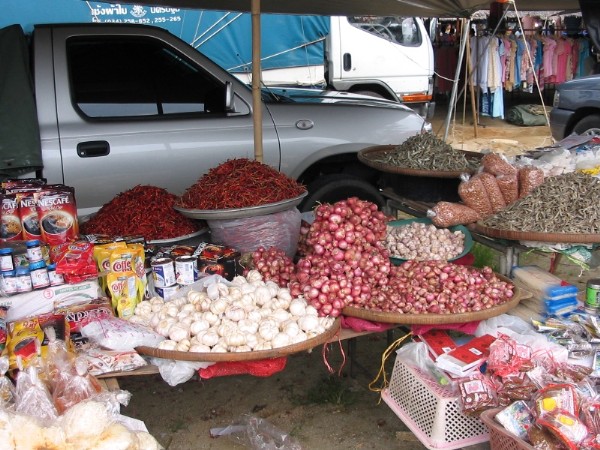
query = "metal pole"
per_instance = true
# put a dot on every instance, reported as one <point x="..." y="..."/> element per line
<point x="256" y="79"/>
<point x="461" y="54"/>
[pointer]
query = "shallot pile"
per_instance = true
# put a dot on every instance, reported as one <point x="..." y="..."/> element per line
<point x="274" y="265"/>
<point x="346" y="257"/>
<point x="424" y="242"/>
<point x="436" y="287"/>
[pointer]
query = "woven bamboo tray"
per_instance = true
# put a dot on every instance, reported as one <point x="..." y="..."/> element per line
<point x="366" y="156"/>
<point x="243" y="356"/>
<point x="438" y="319"/>
<point x="567" y="238"/>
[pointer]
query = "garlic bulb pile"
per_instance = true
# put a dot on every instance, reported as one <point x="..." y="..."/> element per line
<point x="245" y="315"/>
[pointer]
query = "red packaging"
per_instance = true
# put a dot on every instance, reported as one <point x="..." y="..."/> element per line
<point x="75" y="261"/>
<point x="78" y="313"/>
<point x="10" y="226"/>
<point x="57" y="213"/>
<point x="29" y="216"/>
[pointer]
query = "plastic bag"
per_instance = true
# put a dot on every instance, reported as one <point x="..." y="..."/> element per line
<point x="281" y="230"/>
<point x="119" y="334"/>
<point x="473" y="194"/>
<point x="416" y="355"/>
<point x="257" y="434"/>
<point x="493" y="190"/>
<point x="78" y="385"/>
<point x="529" y="178"/>
<point x="177" y="372"/>
<point x="32" y="397"/>
<point x="497" y="165"/>
<point x="447" y="214"/>
<point x="7" y="389"/>
<point x="509" y="186"/>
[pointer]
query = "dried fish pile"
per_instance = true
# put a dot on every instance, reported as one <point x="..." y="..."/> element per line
<point x="425" y="151"/>
<point x="563" y="204"/>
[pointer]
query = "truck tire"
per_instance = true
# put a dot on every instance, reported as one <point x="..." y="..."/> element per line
<point x="588" y="125"/>
<point x="332" y="188"/>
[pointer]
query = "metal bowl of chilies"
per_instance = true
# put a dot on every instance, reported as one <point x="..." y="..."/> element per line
<point x="241" y="213"/>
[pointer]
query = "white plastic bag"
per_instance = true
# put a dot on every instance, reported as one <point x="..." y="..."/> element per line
<point x="177" y="372"/>
<point x="119" y="334"/>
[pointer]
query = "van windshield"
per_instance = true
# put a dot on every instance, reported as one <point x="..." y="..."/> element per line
<point x="401" y="30"/>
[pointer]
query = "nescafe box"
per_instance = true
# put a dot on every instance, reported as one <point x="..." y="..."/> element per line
<point x="218" y="259"/>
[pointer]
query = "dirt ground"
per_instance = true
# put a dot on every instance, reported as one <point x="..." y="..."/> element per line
<point x="318" y="409"/>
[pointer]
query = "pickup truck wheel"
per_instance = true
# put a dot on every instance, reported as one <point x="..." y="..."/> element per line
<point x="332" y="188"/>
<point x="589" y="125"/>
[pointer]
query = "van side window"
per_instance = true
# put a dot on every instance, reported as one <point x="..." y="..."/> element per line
<point x="138" y="77"/>
<point x="401" y="30"/>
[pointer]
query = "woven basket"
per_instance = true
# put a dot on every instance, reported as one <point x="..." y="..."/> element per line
<point x="568" y="238"/>
<point x="244" y="356"/>
<point x="366" y="156"/>
<point x="438" y="319"/>
<point x="500" y="437"/>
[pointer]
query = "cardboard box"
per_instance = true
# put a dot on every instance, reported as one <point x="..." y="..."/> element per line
<point x="43" y="301"/>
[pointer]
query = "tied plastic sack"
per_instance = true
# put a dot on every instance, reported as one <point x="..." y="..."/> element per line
<point x="281" y="230"/>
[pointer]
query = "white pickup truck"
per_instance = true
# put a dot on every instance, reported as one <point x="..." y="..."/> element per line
<point x="118" y="105"/>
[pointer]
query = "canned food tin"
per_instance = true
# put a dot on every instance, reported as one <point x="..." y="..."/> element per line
<point x="39" y="275"/>
<point x="167" y="293"/>
<point x="34" y="251"/>
<point x="6" y="259"/>
<point x="592" y="295"/>
<point x="186" y="269"/>
<point x="23" y="279"/>
<point x="56" y="279"/>
<point x="163" y="272"/>
<point x="9" y="282"/>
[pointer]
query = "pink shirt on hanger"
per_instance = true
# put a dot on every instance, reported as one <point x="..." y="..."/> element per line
<point x="549" y="48"/>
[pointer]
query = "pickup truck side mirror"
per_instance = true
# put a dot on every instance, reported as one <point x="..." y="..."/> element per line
<point x="229" y="97"/>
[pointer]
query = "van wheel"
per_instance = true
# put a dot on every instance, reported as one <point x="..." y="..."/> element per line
<point x="332" y="188"/>
<point x="589" y="125"/>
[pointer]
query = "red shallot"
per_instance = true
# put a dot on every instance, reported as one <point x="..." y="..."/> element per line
<point x="273" y="264"/>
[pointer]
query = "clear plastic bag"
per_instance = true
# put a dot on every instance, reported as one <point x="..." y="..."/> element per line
<point x="258" y="434"/>
<point x="447" y="214"/>
<point x="416" y="354"/>
<point x="177" y="372"/>
<point x="473" y="194"/>
<point x="119" y="334"/>
<point x="281" y="230"/>
<point x="7" y="389"/>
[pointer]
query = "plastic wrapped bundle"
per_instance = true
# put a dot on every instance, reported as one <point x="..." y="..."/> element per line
<point x="473" y="194"/>
<point x="509" y="186"/>
<point x="530" y="177"/>
<point x="493" y="190"/>
<point x="447" y="214"/>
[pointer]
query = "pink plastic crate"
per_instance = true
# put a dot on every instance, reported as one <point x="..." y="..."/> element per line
<point x="432" y="412"/>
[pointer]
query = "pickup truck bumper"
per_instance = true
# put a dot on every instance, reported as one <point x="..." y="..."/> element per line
<point x="559" y="119"/>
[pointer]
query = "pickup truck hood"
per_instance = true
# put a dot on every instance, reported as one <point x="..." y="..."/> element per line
<point x="589" y="83"/>
<point x="299" y="95"/>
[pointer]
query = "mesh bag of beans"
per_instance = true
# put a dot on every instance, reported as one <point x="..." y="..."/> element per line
<point x="447" y="214"/>
<point x="497" y="165"/>
<point x="530" y="177"/>
<point x="509" y="186"/>
<point x="493" y="190"/>
<point x="472" y="192"/>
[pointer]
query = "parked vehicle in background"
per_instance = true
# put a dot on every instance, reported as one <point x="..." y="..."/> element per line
<point x="119" y="105"/>
<point x="576" y="108"/>
<point x="388" y="57"/>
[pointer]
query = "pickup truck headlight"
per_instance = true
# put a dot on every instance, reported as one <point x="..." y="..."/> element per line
<point x="556" y="99"/>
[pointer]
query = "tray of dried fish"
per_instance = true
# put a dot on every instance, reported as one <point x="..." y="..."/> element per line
<point x="564" y="209"/>
<point x="422" y="155"/>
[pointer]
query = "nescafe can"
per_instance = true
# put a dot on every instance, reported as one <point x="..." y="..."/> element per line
<point x="163" y="272"/>
<point x="592" y="295"/>
<point x="186" y="269"/>
<point x="167" y="293"/>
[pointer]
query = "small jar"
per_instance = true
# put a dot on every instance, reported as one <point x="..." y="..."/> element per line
<point x="6" y="259"/>
<point x="23" y="279"/>
<point x="55" y="278"/>
<point x="39" y="275"/>
<point x="34" y="251"/>
<point x="9" y="282"/>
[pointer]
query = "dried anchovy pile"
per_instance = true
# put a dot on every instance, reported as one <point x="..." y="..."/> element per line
<point x="563" y="204"/>
<point x="425" y="151"/>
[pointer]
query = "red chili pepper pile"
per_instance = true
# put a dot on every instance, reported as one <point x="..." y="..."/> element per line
<point x="144" y="210"/>
<point x="240" y="183"/>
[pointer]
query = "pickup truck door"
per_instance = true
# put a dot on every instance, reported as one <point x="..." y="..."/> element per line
<point x="133" y="109"/>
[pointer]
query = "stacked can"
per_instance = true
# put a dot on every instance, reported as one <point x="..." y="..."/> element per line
<point x="7" y="271"/>
<point x="163" y="275"/>
<point x="186" y="270"/>
<point x="592" y="296"/>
